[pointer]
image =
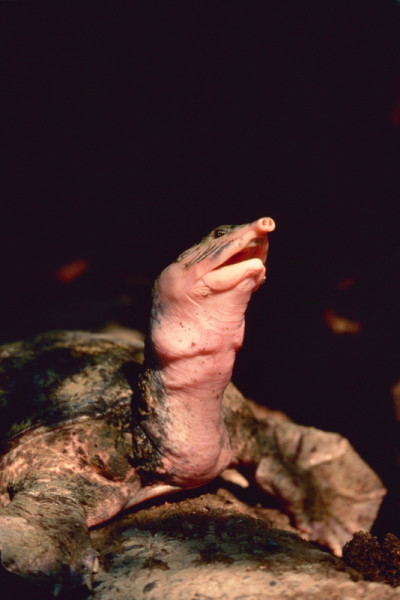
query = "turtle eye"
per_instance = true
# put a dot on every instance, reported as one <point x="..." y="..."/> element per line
<point x="220" y="231"/>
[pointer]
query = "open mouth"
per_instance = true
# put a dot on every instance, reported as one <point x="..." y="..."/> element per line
<point x="254" y="249"/>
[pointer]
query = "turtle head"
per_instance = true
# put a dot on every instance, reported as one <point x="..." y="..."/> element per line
<point x="209" y="286"/>
<point x="231" y="257"/>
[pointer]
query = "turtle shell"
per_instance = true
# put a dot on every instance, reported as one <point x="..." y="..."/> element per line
<point x="64" y="376"/>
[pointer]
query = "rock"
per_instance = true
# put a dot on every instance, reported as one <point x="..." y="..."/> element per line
<point x="210" y="547"/>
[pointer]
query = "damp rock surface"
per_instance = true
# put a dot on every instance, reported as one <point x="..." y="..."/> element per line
<point x="212" y="546"/>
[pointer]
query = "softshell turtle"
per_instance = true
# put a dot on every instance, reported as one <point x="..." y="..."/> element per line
<point x="87" y="430"/>
<point x="77" y="449"/>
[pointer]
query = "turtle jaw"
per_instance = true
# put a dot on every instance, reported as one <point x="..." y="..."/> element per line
<point x="256" y="248"/>
<point x="246" y="264"/>
<point x="241" y="258"/>
<point x="244" y="243"/>
<point x="217" y="263"/>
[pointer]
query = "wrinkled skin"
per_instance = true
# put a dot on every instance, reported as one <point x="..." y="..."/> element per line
<point x="317" y="477"/>
<point x="196" y="329"/>
<point x="66" y="418"/>
<point x="87" y="431"/>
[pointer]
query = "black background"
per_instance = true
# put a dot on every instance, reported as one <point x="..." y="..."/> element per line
<point x="132" y="129"/>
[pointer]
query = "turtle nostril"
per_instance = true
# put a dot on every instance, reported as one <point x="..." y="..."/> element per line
<point x="266" y="224"/>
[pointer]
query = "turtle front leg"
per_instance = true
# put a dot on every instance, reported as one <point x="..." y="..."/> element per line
<point x="53" y="488"/>
<point x="44" y="538"/>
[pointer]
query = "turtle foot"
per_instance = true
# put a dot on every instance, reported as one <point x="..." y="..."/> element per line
<point x="52" y="551"/>
<point x="317" y="476"/>
<point x="320" y="480"/>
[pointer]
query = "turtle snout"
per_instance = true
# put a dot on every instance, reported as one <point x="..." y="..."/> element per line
<point x="265" y="224"/>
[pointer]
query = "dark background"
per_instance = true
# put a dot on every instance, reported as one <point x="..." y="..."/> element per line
<point x="132" y="129"/>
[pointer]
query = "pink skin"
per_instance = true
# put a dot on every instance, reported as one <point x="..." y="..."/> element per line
<point x="196" y="330"/>
<point x="57" y="480"/>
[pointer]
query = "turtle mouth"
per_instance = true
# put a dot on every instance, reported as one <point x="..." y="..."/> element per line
<point x="247" y="264"/>
<point x="254" y="249"/>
